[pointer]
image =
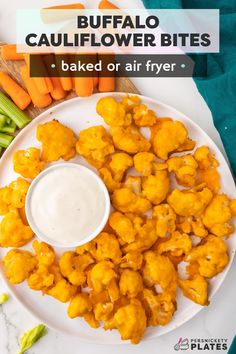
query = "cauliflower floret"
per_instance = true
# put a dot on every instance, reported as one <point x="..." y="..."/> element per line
<point x="211" y="178"/>
<point x="113" y="112"/>
<point x="120" y="162"/>
<point x="184" y="168"/>
<point x="112" y="173"/>
<point x="187" y="202"/>
<point x="143" y="116"/>
<point x="80" y="305"/>
<point x="28" y="162"/>
<point x="188" y="145"/>
<point x="41" y="278"/>
<point x="159" y="308"/>
<point x="177" y="245"/>
<point x="73" y="266"/>
<point x="107" y="248"/>
<point x="204" y="158"/>
<point x="13" y="233"/>
<point x="58" y="141"/>
<point x="165" y="219"/>
<point x="103" y="312"/>
<point x="129" y="139"/>
<point x="45" y="254"/>
<point x="144" y="163"/>
<point x="131" y="283"/>
<point x="130" y="320"/>
<point x="101" y="276"/>
<point x="134" y="183"/>
<point x="195" y="289"/>
<point x="217" y="216"/>
<point x="18" y="265"/>
<point x="126" y="201"/>
<point x="13" y="196"/>
<point x="167" y="137"/>
<point x="211" y="256"/>
<point x="62" y="290"/>
<point x="95" y="145"/>
<point x="160" y="270"/>
<point x="192" y="225"/>
<point x="145" y="238"/>
<point x="132" y="260"/>
<point x="123" y="227"/>
<point x="130" y="102"/>
<point x="155" y="188"/>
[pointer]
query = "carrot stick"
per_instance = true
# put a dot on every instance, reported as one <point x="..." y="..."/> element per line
<point x="57" y="93"/>
<point x="9" y="53"/>
<point x="39" y="100"/>
<point x="83" y="86"/>
<point x="66" y="7"/>
<point x="106" y="84"/>
<point x="18" y="95"/>
<point x="66" y="82"/>
<point x="43" y="84"/>
<point x="104" y="4"/>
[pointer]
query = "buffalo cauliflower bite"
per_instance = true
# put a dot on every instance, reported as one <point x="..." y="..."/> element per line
<point x="159" y="308"/>
<point x="155" y="187"/>
<point x="18" y="265"/>
<point x="130" y="320"/>
<point x="177" y="245"/>
<point x="58" y="141"/>
<point x="120" y="162"/>
<point x="143" y="116"/>
<point x="101" y="275"/>
<point x="160" y="270"/>
<point x="189" y="202"/>
<point x="192" y="225"/>
<point x="144" y="163"/>
<point x="95" y="145"/>
<point x="107" y="248"/>
<point x="28" y="162"/>
<point x="126" y="201"/>
<point x="13" y="233"/>
<point x="108" y="179"/>
<point x="210" y="255"/>
<point x="130" y="102"/>
<point x="123" y="227"/>
<point x="211" y="178"/>
<point x="167" y="137"/>
<point x="132" y="260"/>
<point x="145" y="238"/>
<point x="45" y="254"/>
<point x="113" y="112"/>
<point x="13" y="196"/>
<point x="62" y="290"/>
<point x="41" y="278"/>
<point x="217" y="216"/>
<point x="187" y="145"/>
<point x="79" y="305"/>
<point x="73" y="266"/>
<point x="131" y="283"/>
<point x="204" y="158"/>
<point x="195" y="289"/>
<point x="184" y="168"/>
<point x="165" y="219"/>
<point x="129" y="139"/>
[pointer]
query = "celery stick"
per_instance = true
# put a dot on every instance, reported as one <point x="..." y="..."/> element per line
<point x="8" y="129"/>
<point x="3" y="121"/>
<point x="5" y="140"/>
<point x="12" y="111"/>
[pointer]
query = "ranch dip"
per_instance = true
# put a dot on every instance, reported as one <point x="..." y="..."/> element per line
<point x="67" y="204"/>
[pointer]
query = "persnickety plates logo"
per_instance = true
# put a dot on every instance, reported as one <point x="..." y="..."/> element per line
<point x="210" y="344"/>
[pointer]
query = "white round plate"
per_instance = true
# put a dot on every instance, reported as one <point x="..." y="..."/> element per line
<point x="79" y="114"/>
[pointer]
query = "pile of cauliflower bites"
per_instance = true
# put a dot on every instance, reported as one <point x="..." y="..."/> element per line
<point x="131" y="270"/>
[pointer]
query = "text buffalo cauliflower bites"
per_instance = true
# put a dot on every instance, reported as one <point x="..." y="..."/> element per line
<point x="58" y="141"/>
<point x="168" y="214"/>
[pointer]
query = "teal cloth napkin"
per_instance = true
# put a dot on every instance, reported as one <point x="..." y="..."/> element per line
<point x="218" y="86"/>
<point x="232" y="349"/>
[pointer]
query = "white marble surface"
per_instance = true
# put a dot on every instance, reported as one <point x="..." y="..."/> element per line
<point x="215" y="321"/>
